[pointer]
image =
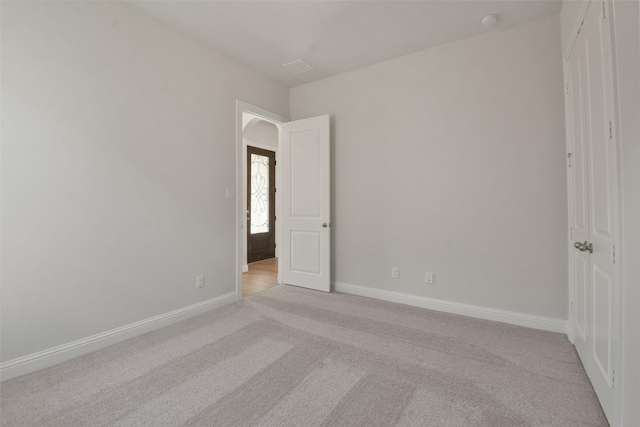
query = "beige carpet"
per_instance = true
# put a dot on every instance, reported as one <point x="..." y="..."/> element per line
<point x="293" y="357"/>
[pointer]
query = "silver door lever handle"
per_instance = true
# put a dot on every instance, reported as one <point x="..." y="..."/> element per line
<point x="583" y="246"/>
<point x="325" y="225"/>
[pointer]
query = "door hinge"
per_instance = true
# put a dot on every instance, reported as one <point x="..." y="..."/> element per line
<point x="613" y="378"/>
<point x="613" y="254"/>
<point x="275" y="245"/>
<point x="604" y="13"/>
<point x="610" y="130"/>
<point x="571" y="307"/>
<point x="566" y="88"/>
<point x="569" y="164"/>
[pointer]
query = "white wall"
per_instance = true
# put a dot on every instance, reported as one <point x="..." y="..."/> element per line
<point x="451" y="160"/>
<point x="627" y="52"/>
<point x="261" y="133"/>
<point x="118" y="142"/>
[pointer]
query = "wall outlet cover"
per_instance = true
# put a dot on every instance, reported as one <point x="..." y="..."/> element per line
<point x="428" y="278"/>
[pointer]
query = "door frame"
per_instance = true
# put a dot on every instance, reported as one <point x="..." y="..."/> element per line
<point x="241" y="239"/>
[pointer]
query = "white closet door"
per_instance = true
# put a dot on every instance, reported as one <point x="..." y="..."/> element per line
<point x="579" y="203"/>
<point x="594" y="204"/>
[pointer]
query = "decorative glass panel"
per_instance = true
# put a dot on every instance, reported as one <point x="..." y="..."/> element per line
<point x="259" y="194"/>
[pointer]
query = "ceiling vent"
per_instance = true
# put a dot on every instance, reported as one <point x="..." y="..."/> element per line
<point x="298" y="66"/>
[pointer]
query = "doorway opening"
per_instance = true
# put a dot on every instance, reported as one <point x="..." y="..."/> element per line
<point x="258" y="146"/>
<point x="261" y="276"/>
<point x="303" y="208"/>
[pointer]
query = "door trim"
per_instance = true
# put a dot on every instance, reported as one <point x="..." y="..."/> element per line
<point x="241" y="244"/>
<point x="575" y="30"/>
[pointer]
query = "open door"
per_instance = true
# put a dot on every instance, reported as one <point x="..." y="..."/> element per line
<point x="305" y="218"/>
<point x="594" y="206"/>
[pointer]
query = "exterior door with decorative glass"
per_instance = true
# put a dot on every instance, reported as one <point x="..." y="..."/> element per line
<point x="261" y="206"/>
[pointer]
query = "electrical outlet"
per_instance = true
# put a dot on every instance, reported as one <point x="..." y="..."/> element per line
<point x="200" y="282"/>
<point x="395" y="272"/>
<point x="428" y="278"/>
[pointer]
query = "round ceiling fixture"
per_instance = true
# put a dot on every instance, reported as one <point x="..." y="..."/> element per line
<point x="490" y="20"/>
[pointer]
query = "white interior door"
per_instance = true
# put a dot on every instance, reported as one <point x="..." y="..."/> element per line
<point x="603" y="215"/>
<point x="594" y="204"/>
<point x="305" y="216"/>
<point x="579" y="204"/>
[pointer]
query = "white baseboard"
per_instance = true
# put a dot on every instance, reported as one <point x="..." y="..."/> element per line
<point x="245" y="268"/>
<point x="53" y="356"/>
<point x="486" y="313"/>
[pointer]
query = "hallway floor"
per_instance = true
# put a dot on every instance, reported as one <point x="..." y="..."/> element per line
<point x="261" y="276"/>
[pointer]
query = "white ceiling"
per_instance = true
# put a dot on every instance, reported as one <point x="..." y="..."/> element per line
<point x="335" y="36"/>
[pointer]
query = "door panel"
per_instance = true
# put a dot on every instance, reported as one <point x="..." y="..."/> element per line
<point x="579" y="203"/>
<point x="597" y="131"/>
<point x="305" y="174"/>
<point x="304" y="243"/>
<point x="305" y="253"/>
<point x="579" y="163"/>
<point x="602" y="284"/>
<point x="582" y="301"/>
